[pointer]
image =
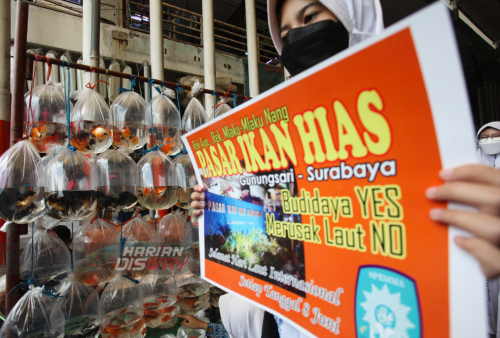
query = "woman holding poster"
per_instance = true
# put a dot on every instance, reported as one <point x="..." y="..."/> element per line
<point x="488" y="140"/>
<point x="328" y="27"/>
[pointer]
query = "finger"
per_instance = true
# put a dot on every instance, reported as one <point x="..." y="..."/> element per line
<point x="484" y="197"/>
<point x="197" y="213"/>
<point x="198" y="196"/>
<point x="486" y="253"/>
<point x="473" y="173"/>
<point x="199" y="188"/>
<point x="484" y="226"/>
<point x="197" y="205"/>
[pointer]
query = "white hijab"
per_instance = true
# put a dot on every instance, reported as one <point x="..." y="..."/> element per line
<point x="483" y="158"/>
<point x="361" y="18"/>
<point x="240" y="318"/>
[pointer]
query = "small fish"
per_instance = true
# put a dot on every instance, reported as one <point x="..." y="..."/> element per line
<point x="167" y="147"/>
<point x="134" y="141"/>
<point x="122" y="311"/>
<point x="168" y="309"/>
<point x="114" y="331"/>
<point x="93" y="280"/>
<point x="125" y="133"/>
<point x="25" y="201"/>
<point x="80" y="143"/>
<point x="162" y="300"/>
<point x="150" y="313"/>
<point x="56" y="203"/>
<point x="166" y="318"/>
<point x="54" y="138"/>
<point x="116" y="138"/>
<point x="150" y="142"/>
<point x="144" y="331"/>
<point x="150" y="305"/>
<point x="39" y="132"/>
<point x="191" y="303"/>
<point x="135" y="318"/>
<point x="101" y="133"/>
<point x="160" y="192"/>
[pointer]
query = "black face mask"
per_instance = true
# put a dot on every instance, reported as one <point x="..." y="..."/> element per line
<point x="309" y="45"/>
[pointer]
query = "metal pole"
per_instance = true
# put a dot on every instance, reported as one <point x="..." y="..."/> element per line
<point x="156" y="36"/>
<point x="252" y="48"/>
<point x="208" y="50"/>
<point x="119" y="13"/>
<point x="147" y="73"/>
<point x="4" y="96"/>
<point x="126" y="76"/>
<point x="16" y="131"/>
<point x="87" y="30"/>
<point x="94" y="37"/>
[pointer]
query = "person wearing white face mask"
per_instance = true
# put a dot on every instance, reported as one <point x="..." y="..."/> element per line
<point x="488" y="153"/>
<point x="488" y="141"/>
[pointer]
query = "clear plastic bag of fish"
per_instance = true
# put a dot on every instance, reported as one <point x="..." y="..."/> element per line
<point x="116" y="180"/>
<point x="131" y="121"/>
<point x="96" y="249"/>
<point x="70" y="192"/>
<point x="166" y="124"/>
<point x="91" y="129"/>
<point x="194" y="115"/>
<point x="215" y="294"/>
<point x="121" y="310"/>
<point x="186" y="180"/>
<point x="193" y="293"/>
<point x="159" y="292"/>
<point x="21" y="194"/>
<point x="139" y="235"/>
<point x="222" y="107"/>
<point x="185" y="332"/>
<point x="173" y="230"/>
<point x="45" y="260"/>
<point x="36" y="314"/>
<point x="80" y="305"/>
<point x="45" y="116"/>
<point x="156" y="181"/>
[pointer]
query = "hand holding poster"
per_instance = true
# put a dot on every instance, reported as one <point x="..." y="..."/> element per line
<point x="315" y="202"/>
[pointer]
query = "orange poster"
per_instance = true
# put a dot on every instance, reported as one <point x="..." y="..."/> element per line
<point x="316" y="207"/>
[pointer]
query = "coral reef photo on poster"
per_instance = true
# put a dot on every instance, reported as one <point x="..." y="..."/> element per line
<point x="235" y="225"/>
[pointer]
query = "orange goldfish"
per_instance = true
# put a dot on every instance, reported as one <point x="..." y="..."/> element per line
<point x="54" y="138"/>
<point x="134" y="141"/>
<point x="122" y="311"/>
<point x="150" y="305"/>
<point x="159" y="192"/>
<point x="150" y="142"/>
<point x="167" y="147"/>
<point x="191" y="303"/>
<point x="125" y="133"/>
<point x="168" y="309"/>
<point x="150" y="313"/>
<point x="92" y="280"/>
<point x="114" y="331"/>
<point x="166" y="318"/>
<point x="144" y="331"/>
<point x="80" y="143"/>
<point x="101" y="133"/>
<point x="39" y="132"/>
